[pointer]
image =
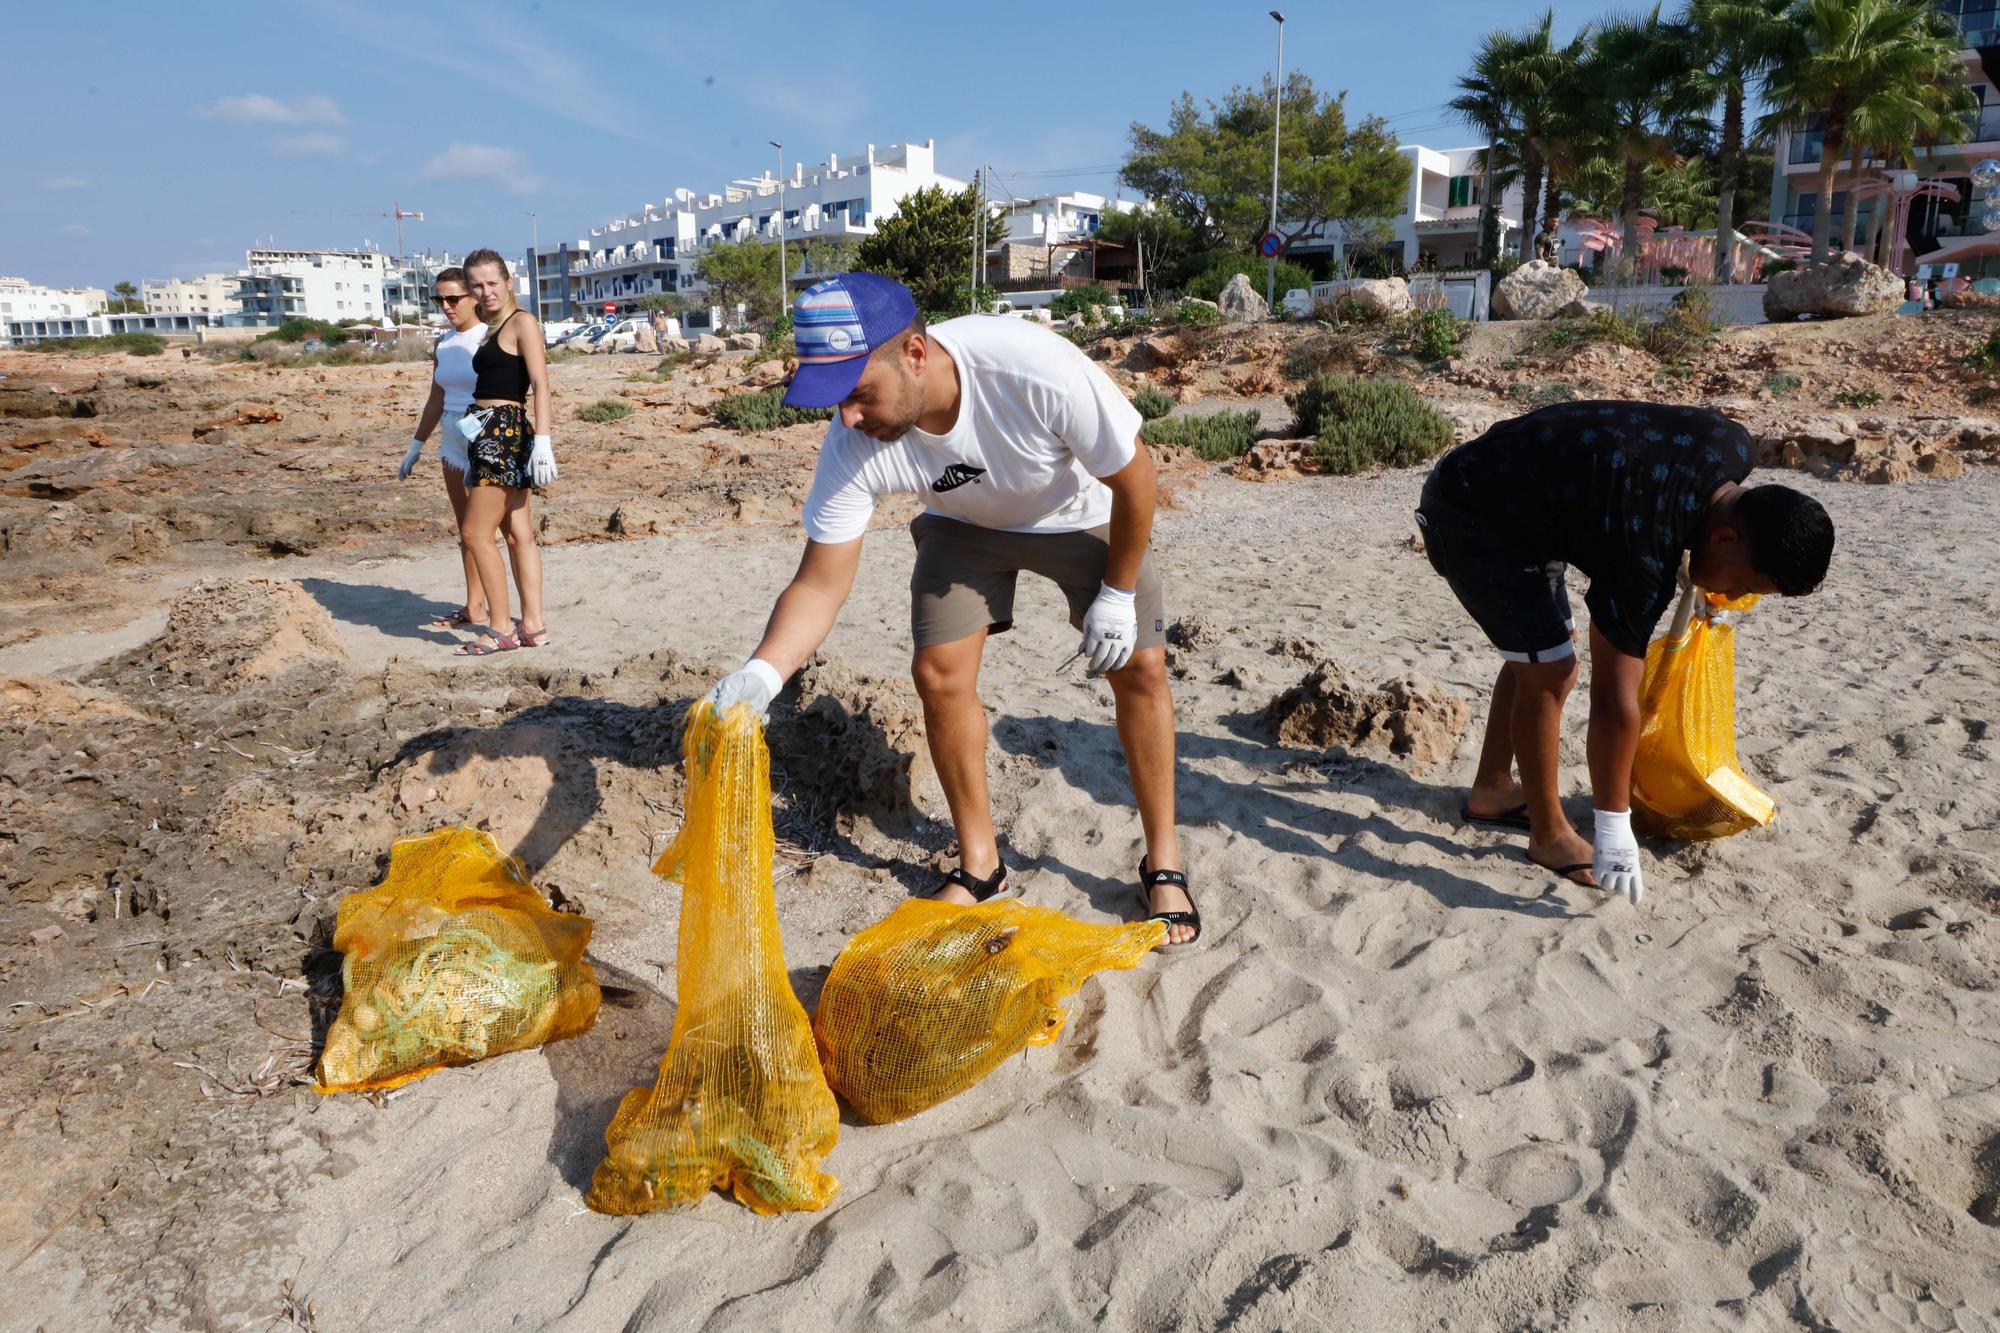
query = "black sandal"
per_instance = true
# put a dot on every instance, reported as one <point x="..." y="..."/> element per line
<point x="1148" y="879"/>
<point x="980" y="889"/>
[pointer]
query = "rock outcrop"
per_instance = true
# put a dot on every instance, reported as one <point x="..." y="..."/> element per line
<point x="1837" y="288"/>
<point x="1240" y="303"/>
<point x="1537" y="290"/>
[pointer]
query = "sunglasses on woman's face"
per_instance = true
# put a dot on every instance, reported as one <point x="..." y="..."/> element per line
<point x="450" y="300"/>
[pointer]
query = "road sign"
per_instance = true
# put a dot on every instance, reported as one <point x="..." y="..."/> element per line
<point x="610" y="307"/>
<point x="1271" y="246"/>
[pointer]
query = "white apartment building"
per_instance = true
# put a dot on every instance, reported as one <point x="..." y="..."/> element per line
<point x="276" y="285"/>
<point x="657" y="249"/>
<point x="21" y="299"/>
<point x="1044" y="236"/>
<point x="1439" y="220"/>
<point x="209" y="294"/>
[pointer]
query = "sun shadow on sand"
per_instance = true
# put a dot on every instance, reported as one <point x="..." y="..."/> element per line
<point x="394" y="611"/>
<point x="593" y="1072"/>
<point x="1271" y="810"/>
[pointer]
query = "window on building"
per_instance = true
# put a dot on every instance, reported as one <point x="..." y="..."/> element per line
<point x="1459" y="192"/>
<point x="857" y="212"/>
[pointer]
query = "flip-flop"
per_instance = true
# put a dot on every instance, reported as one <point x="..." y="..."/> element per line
<point x="502" y="643"/>
<point x="1563" y="872"/>
<point x="1517" y="818"/>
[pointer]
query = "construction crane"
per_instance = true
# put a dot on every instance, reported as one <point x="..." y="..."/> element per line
<point x="399" y="214"/>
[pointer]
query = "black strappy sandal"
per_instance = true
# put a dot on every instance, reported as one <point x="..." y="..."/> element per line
<point x="1192" y="917"/>
<point x="980" y="889"/>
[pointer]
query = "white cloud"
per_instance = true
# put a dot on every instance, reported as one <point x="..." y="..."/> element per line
<point x="75" y="229"/>
<point x="483" y="163"/>
<point x="66" y="183"/>
<point x="309" y="145"/>
<point x="259" y="109"/>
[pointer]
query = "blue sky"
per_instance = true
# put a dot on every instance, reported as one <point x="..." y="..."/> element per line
<point x="165" y="139"/>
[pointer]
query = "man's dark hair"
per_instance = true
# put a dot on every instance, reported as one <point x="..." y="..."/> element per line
<point x="452" y="274"/>
<point x="1790" y="535"/>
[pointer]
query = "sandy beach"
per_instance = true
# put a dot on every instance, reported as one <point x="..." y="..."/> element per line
<point x="1404" y="1081"/>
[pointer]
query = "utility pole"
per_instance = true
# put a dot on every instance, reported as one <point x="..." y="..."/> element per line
<point x="1277" y="114"/>
<point x="784" y="278"/>
<point x="535" y="261"/>
<point x="972" y="268"/>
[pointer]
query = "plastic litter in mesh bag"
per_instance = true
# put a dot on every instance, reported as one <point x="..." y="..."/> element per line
<point x="1686" y="781"/>
<point x="930" y="999"/>
<point x="740" y="1102"/>
<point x="452" y="958"/>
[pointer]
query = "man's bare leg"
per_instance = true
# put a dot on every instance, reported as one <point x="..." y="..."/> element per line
<point x="1145" y="708"/>
<point x="1539" y="691"/>
<point x="1494" y="791"/>
<point x="947" y="679"/>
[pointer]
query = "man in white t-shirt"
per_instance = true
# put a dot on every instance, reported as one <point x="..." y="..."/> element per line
<point x="1027" y="457"/>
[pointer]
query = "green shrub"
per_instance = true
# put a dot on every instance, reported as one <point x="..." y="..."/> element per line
<point x="298" y="330"/>
<point x="1079" y="300"/>
<point x="1189" y="312"/>
<point x="764" y="410"/>
<point x="1779" y="383"/>
<point x="1777" y="266"/>
<point x="1152" y="404"/>
<point x="1431" y="335"/>
<point x="1673" y="275"/>
<point x="1532" y="396"/>
<point x="1361" y="422"/>
<point x="1857" y="398"/>
<point x="1221" y="267"/>
<point x="1987" y="355"/>
<point x="1682" y="326"/>
<point x="659" y="374"/>
<point x="1217" y="437"/>
<point x="137" y="344"/>
<point x="605" y="410"/>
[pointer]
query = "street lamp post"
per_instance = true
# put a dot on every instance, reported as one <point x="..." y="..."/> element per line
<point x="1277" y="113"/>
<point x="535" y="259"/>
<point x="784" y="277"/>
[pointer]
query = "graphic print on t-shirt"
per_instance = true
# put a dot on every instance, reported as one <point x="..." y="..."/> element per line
<point x="955" y="476"/>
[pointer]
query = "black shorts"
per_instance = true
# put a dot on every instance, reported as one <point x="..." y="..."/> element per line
<point x="1523" y="607"/>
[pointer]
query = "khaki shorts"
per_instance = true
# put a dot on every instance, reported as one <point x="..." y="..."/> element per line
<point x="965" y="575"/>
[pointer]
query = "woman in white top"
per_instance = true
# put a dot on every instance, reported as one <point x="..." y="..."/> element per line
<point x="451" y="394"/>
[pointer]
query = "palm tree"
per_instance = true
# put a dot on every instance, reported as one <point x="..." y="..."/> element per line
<point x="1511" y="92"/>
<point x="1737" y="43"/>
<point x="1483" y="105"/>
<point x="1636" y="78"/>
<point x="1857" y="64"/>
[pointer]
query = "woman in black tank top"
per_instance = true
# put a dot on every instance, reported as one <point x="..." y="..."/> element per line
<point x="509" y="453"/>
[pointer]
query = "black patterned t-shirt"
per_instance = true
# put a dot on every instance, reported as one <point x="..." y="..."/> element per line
<point x="1616" y="489"/>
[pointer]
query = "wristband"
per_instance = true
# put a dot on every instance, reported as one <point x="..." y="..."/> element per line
<point x="1118" y="594"/>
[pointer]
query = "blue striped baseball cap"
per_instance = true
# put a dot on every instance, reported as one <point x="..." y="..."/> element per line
<point x="835" y="325"/>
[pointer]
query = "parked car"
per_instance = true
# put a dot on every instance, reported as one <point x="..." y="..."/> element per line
<point x="622" y="336"/>
<point x="556" y="330"/>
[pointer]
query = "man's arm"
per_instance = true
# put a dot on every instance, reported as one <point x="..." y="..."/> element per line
<point x="1614" y="721"/>
<point x="809" y="605"/>
<point x="1134" y="490"/>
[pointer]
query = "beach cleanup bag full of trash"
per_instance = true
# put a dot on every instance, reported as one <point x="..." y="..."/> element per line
<point x="740" y="1103"/>
<point x="452" y="958"/>
<point x="1686" y="781"/>
<point x="932" y="998"/>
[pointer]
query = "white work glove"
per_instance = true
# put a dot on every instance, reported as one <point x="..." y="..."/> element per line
<point x="756" y="684"/>
<point x="1110" y="629"/>
<point x="410" y="459"/>
<point x="1615" y="855"/>
<point x="542" y="462"/>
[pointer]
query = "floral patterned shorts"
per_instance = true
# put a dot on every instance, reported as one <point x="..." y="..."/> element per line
<point x="500" y="451"/>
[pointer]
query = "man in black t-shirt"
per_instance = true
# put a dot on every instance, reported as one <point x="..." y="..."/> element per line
<point x="1621" y="491"/>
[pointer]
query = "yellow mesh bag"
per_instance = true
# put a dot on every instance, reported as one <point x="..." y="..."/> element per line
<point x="452" y="958"/>
<point x="1686" y="782"/>
<point x="740" y="1101"/>
<point x="930" y="999"/>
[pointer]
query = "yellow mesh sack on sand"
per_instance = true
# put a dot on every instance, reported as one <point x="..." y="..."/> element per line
<point x="1686" y="782"/>
<point x="452" y="958"/>
<point x="930" y="999"/>
<point x="740" y="1101"/>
